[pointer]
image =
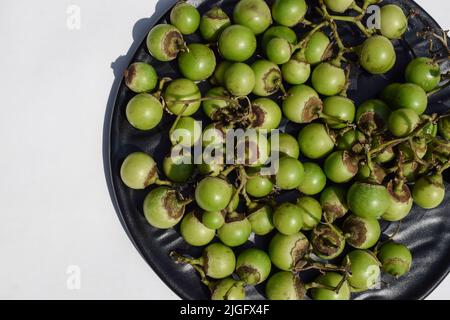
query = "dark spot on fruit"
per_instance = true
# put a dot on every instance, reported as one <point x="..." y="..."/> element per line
<point x="370" y="121"/>
<point x="299" y="251"/>
<point x="325" y="240"/>
<point x="248" y="274"/>
<point x="130" y="74"/>
<point x="272" y="80"/>
<point x="333" y="212"/>
<point x="402" y="196"/>
<point x="172" y="205"/>
<point x="312" y="109"/>
<point x="350" y="162"/>
<point x="260" y="116"/>
<point x="171" y="44"/>
<point x="300" y="288"/>
<point x="151" y="177"/>
<point x="356" y="231"/>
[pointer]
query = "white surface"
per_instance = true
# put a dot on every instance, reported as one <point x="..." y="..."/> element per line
<point x="54" y="204"/>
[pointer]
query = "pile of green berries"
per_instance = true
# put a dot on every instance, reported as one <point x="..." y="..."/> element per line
<point x="360" y="164"/>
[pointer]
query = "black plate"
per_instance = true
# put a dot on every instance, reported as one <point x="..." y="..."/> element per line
<point x="427" y="233"/>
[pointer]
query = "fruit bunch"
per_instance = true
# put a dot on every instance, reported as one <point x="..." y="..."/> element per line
<point x="268" y="66"/>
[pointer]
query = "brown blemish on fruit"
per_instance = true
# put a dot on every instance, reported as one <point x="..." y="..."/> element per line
<point x="299" y="250"/>
<point x="404" y="196"/>
<point x="151" y="177"/>
<point x="356" y="231"/>
<point x="216" y="14"/>
<point x="325" y="240"/>
<point x="272" y="80"/>
<point x="171" y="204"/>
<point x="351" y="163"/>
<point x="234" y="218"/>
<point x="130" y="74"/>
<point x="248" y="272"/>
<point x="333" y="211"/>
<point x="171" y="44"/>
<point x="299" y="288"/>
<point x="260" y="116"/>
<point x="312" y="109"/>
<point x="370" y="122"/>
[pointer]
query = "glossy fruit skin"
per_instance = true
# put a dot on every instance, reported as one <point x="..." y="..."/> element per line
<point x="328" y="241"/>
<point x="334" y="203"/>
<point x="400" y="205"/>
<point x="290" y="174"/>
<point x="317" y="48"/>
<point x="194" y="232"/>
<point x="429" y="191"/>
<point x="253" y="266"/>
<point x="444" y="128"/>
<point x="213" y="23"/>
<point x="341" y="167"/>
<point x="213" y="194"/>
<point x="311" y="212"/>
<point x="341" y="108"/>
<point x="302" y="104"/>
<point x="364" y="268"/>
<point x="287" y="146"/>
<point x="388" y="94"/>
<point x="365" y="173"/>
<point x="261" y="220"/>
<point x="164" y="42"/>
<point x="185" y="17"/>
<point x="144" y="111"/>
<point x="331" y="279"/>
<point x="314" y="179"/>
<point x="402" y="122"/>
<point x="368" y="200"/>
<point x="182" y="90"/>
<point x="296" y="71"/>
<point x="339" y="6"/>
<point x="377" y="55"/>
<point x="314" y="141"/>
<point x="279" y="50"/>
<point x="162" y="209"/>
<point x="220" y="259"/>
<point x="141" y="77"/>
<point x="385" y="156"/>
<point x="254" y="14"/>
<point x="213" y="220"/>
<point x="268" y="78"/>
<point x="259" y="186"/>
<point x="393" y="22"/>
<point x="423" y="72"/>
<point x="285" y="285"/>
<point x="138" y="171"/>
<point x="176" y="169"/>
<point x="235" y="233"/>
<point x="411" y="96"/>
<point x="328" y="79"/>
<point x="267" y="114"/>
<point x="218" y="78"/>
<point x="212" y="108"/>
<point x="240" y="79"/>
<point x="372" y="116"/>
<point x="228" y="289"/>
<point x="278" y="32"/>
<point x="237" y="43"/>
<point x="187" y="132"/>
<point x="289" y="12"/>
<point x="361" y="233"/>
<point x="286" y="251"/>
<point x="287" y="219"/>
<point x="198" y="63"/>
<point x="395" y="259"/>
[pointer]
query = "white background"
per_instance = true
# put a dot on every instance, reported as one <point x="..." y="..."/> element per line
<point x="55" y="208"/>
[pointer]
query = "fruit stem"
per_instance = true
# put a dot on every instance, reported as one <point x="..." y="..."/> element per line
<point x="243" y="181"/>
<point x="438" y="89"/>
<point x="227" y="171"/>
<point x="180" y="259"/>
<point x="304" y="42"/>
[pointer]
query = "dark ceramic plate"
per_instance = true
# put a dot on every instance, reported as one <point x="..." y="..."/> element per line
<point x="427" y="233"/>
